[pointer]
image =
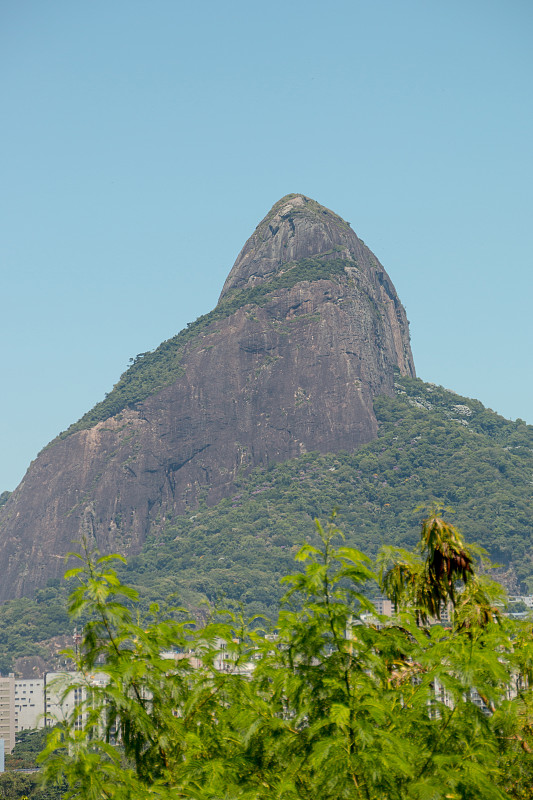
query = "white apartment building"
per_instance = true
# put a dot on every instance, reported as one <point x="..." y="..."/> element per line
<point x="58" y="705"/>
<point x="384" y="606"/>
<point x="7" y="711"/>
<point x="37" y="702"/>
<point x="29" y="704"/>
<point x="21" y="707"/>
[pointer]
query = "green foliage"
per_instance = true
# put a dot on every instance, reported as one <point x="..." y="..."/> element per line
<point x="28" y="745"/>
<point x="428" y="584"/>
<point x="26" y="621"/>
<point x="15" y="785"/>
<point x="4" y="496"/>
<point x="425" y="581"/>
<point x="18" y="786"/>
<point x="150" y="372"/>
<point x="336" y="703"/>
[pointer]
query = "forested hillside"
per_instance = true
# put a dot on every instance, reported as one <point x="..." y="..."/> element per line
<point x="432" y="445"/>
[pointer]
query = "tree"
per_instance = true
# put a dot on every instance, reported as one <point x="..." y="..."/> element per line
<point x="340" y="702"/>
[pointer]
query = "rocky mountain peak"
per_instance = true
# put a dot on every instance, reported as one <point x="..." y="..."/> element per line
<point x="296" y="227"/>
<point x="308" y="331"/>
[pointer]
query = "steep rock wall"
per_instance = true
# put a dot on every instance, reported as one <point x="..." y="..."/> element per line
<point x="294" y="371"/>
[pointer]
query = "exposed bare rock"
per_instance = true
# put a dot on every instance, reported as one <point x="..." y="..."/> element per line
<point x="307" y="332"/>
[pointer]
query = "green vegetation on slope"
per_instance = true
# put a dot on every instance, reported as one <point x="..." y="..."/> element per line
<point x="26" y="621"/>
<point x="432" y="444"/>
<point x="150" y="372"/>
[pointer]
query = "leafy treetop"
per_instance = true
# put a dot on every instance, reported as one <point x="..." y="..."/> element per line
<point x="332" y="702"/>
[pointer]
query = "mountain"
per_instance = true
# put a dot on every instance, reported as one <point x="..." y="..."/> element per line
<point x="308" y="330"/>
<point x="431" y="444"/>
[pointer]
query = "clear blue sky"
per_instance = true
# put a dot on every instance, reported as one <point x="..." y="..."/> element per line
<point x="142" y="142"/>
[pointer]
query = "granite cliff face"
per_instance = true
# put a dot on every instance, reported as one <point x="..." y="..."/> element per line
<point x="308" y="330"/>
